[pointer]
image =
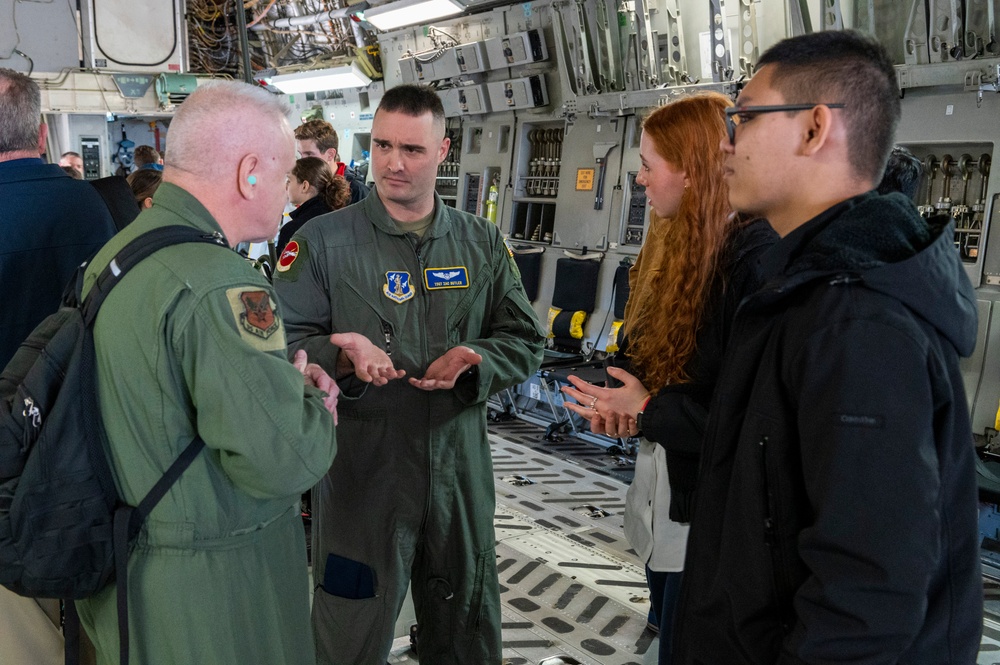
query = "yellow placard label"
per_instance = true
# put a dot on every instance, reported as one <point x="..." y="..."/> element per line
<point x="585" y="180"/>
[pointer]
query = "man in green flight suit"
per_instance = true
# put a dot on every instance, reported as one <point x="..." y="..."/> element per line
<point x="402" y="285"/>
<point x="191" y="343"/>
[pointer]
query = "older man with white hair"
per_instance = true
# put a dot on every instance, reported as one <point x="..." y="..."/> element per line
<point x="192" y="343"/>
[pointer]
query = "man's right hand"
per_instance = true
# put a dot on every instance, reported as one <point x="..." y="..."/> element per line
<point x="368" y="362"/>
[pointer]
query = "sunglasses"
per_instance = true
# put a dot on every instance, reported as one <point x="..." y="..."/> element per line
<point x="738" y="114"/>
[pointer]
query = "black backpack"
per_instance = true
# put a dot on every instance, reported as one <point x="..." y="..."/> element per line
<point x="64" y="530"/>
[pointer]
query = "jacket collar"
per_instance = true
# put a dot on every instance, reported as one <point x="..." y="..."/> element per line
<point x="311" y="208"/>
<point x="189" y="210"/>
<point x="376" y="212"/>
<point x="778" y="258"/>
<point x="848" y="239"/>
<point x="29" y="168"/>
<point x="882" y="243"/>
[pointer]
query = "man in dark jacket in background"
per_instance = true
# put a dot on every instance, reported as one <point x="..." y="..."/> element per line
<point x="49" y="224"/>
<point x="835" y="517"/>
<point x="902" y="174"/>
<point x="318" y="138"/>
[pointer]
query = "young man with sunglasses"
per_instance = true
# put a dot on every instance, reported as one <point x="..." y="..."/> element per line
<point x="836" y="514"/>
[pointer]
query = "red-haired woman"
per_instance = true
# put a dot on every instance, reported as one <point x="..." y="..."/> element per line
<point x="697" y="264"/>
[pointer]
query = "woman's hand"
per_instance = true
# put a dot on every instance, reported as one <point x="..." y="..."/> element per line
<point x="610" y="411"/>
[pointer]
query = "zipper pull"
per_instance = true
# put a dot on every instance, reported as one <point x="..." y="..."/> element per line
<point x="770" y="534"/>
<point x="837" y="280"/>
<point x="217" y="237"/>
<point x="31" y="411"/>
<point x="387" y="330"/>
<point x="33" y="421"/>
<point x="770" y="537"/>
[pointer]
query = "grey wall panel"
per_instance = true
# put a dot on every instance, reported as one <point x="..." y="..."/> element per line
<point x="45" y="32"/>
<point x="982" y="388"/>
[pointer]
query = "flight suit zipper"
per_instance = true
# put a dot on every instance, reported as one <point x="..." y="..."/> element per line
<point x="387" y="331"/>
<point x="416" y="246"/>
<point x="383" y="324"/>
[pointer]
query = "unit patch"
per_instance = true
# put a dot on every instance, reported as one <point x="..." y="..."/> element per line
<point x="397" y="287"/>
<point x="510" y="255"/>
<point x="290" y="262"/>
<point x="510" y="250"/>
<point x="256" y="319"/>
<point x="288" y="256"/>
<point x="456" y="277"/>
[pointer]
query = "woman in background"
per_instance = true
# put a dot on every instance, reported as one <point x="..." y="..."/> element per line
<point x="697" y="264"/>
<point x="313" y="187"/>
<point x="144" y="184"/>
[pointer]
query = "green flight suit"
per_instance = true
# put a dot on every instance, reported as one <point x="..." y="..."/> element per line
<point x="189" y="343"/>
<point x="410" y="495"/>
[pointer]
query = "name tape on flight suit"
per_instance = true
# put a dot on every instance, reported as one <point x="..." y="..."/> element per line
<point x="256" y="320"/>
<point x="455" y="277"/>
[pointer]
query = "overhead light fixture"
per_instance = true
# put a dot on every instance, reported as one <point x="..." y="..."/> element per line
<point x="400" y="13"/>
<point x="333" y="78"/>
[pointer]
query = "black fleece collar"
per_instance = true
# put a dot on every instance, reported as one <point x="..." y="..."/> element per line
<point x="312" y="208"/>
<point x="777" y="259"/>
<point x="860" y="233"/>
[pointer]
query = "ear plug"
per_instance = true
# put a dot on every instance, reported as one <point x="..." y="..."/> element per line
<point x="252" y="179"/>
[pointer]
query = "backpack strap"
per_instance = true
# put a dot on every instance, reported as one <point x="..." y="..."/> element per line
<point x="127" y="519"/>
<point x="127" y="522"/>
<point x="134" y="252"/>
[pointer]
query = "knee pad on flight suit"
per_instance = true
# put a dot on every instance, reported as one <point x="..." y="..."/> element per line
<point x="458" y="613"/>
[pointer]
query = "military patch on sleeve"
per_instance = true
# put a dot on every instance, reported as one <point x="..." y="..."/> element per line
<point x="510" y="250"/>
<point x="510" y="257"/>
<point x="293" y="257"/>
<point x="257" y="322"/>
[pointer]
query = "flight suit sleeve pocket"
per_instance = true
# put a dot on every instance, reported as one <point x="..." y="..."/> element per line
<point x="458" y="320"/>
<point x="349" y="579"/>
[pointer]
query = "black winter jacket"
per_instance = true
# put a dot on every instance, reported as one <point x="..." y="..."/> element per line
<point x="314" y="207"/>
<point x="836" y="511"/>
<point x="359" y="190"/>
<point x="676" y="416"/>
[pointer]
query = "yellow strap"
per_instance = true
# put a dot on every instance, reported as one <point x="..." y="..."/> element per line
<point x="612" y="346"/>
<point x="553" y="313"/>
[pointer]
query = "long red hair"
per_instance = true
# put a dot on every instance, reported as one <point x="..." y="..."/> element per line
<point x="662" y="325"/>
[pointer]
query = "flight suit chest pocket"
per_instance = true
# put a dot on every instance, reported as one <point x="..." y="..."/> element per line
<point x="353" y="311"/>
<point x="464" y="319"/>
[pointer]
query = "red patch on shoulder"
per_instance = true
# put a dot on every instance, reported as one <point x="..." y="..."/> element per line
<point x="288" y="256"/>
